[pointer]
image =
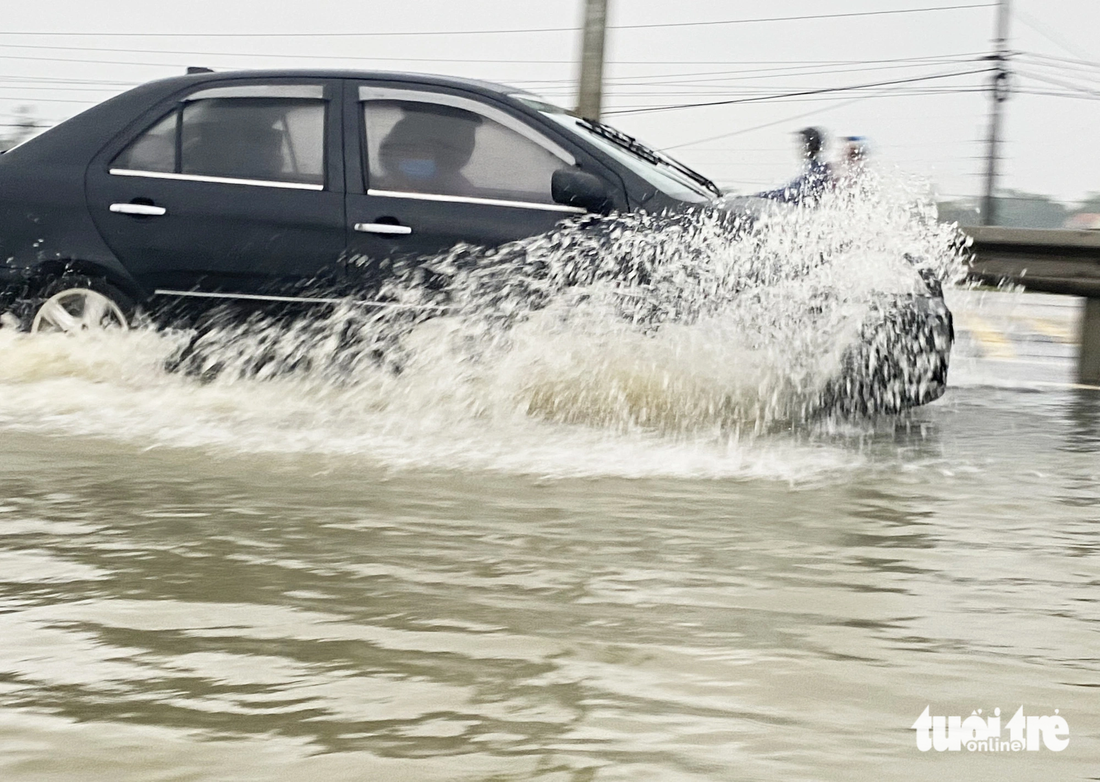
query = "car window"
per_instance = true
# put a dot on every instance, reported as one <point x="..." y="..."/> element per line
<point x="265" y="139"/>
<point x="419" y="147"/>
<point x="153" y="150"/>
<point x="254" y="138"/>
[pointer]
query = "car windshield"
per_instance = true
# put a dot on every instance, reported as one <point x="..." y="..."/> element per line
<point x="667" y="175"/>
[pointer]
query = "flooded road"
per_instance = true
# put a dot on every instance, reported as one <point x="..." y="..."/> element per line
<point x="196" y="587"/>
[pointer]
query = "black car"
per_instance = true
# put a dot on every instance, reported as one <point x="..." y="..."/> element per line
<point x="299" y="186"/>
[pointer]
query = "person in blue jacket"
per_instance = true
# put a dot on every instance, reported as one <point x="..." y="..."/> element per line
<point x="816" y="178"/>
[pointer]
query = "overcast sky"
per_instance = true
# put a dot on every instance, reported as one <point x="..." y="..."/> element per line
<point x="935" y="128"/>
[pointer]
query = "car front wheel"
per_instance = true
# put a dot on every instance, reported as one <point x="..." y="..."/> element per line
<point x="76" y="304"/>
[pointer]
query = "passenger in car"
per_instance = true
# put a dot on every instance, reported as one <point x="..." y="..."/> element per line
<point x="426" y="150"/>
<point x="233" y="146"/>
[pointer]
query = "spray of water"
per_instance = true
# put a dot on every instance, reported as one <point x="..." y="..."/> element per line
<point x="670" y="322"/>
<point x="713" y="326"/>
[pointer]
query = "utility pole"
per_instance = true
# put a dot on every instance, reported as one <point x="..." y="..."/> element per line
<point x="999" y="93"/>
<point x="590" y="89"/>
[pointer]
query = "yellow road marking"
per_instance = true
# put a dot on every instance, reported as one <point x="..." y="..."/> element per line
<point x="1054" y="329"/>
<point x="992" y="342"/>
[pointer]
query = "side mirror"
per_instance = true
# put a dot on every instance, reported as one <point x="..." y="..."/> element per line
<point x="573" y="187"/>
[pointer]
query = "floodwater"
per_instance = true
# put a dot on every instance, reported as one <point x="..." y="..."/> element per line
<point x="296" y="578"/>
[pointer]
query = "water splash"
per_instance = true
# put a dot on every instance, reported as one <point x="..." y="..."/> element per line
<point x="684" y="336"/>
<point x="669" y="322"/>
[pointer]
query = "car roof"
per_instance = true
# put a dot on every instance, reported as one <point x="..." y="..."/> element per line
<point x="82" y="135"/>
<point x="433" y="79"/>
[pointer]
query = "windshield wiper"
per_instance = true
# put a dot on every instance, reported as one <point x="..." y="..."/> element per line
<point x="632" y="144"/>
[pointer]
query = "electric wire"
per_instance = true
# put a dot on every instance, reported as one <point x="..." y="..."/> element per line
<point x="808" y="66"/>
<point x="1088" y="63"/>
<point x="1060" y="83"/>
<point x="754" y="128"/>
<point x="646" y="26"/>
<point x="800" y="93"/>
<point x="1039" y="27"/>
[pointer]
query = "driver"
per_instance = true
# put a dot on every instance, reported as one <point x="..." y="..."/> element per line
<point x="427" y="149"/>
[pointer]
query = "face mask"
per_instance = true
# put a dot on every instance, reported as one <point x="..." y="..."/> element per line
<point x="417" y="168"/>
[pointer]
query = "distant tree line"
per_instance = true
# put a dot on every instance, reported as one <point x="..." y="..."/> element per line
<point x="1020" y="209"/>
<point x="21" y="127"/>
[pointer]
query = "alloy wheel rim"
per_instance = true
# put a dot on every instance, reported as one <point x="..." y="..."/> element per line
<point x="78" y="310"/>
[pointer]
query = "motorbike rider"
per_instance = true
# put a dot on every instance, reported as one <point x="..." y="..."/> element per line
<point x="816" y="178"/>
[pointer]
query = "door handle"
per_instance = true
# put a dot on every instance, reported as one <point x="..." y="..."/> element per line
<point x="145" y="210"/>
<point x="383" y="228"/>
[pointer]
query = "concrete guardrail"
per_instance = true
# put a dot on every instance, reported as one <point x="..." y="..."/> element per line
<point x="1048" y="261"/>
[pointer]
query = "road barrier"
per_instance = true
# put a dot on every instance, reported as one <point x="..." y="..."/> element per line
<point x="1047" y="261"/>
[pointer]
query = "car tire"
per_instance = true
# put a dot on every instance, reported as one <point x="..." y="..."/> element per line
<point x="76" y="303"/>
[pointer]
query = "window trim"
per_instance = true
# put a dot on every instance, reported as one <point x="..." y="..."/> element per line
<point x="474" y="200"/>
<point x="368" y="94"/>
<point x="316" y="92"/>
<point x="292" y="91"/>
<point x="216" y="179"/>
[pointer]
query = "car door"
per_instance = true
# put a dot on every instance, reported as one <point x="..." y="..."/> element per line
<point x="233" y="190"/>
<point x="437" y="169"/>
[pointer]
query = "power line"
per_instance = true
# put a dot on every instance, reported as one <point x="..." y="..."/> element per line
<point x="1056" y="94"/>
<point x="390" y="33"/>
<point x="25" y="99"/>
<point x="509" y="61"/>
<point x="798" y="94"/>
<point x="743" y="131"/>
<point x="1078" y="79"/>
<point x="1060" y="83"/>
<point x="1072" y="71"/>
<point x="1040" y="28"/>
<point x="32" y="81"/>
<point x="56" y="87"/>
<point x="753" y="62"/>
<point x="678" y="80"/>
<point x="886" y="64"/>
<point x="721" y="89"/>
<point x="643" y="108"/>
<point x="1089" y="63"/>
<point x="846" y="15"/>
<point x="768" y="96"/>
<point x="788" y="65"/>
<point x="22" y="57"/>
<point x="797" y="70"/>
